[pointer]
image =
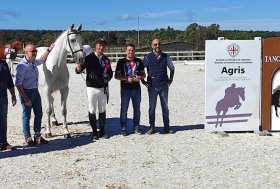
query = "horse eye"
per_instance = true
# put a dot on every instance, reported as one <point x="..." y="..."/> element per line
<point x="73" y="40"/>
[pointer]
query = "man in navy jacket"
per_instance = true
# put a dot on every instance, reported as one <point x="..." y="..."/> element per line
<point x="158" y="83"/>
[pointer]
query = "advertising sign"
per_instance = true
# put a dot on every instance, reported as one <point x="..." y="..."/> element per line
<point x="271" y="84"/>
<point x="232" y="85"/>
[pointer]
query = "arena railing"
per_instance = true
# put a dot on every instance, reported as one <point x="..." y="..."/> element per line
<point x="177" y="56"/>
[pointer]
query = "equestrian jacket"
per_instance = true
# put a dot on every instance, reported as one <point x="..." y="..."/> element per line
<point x="97" y="70"/>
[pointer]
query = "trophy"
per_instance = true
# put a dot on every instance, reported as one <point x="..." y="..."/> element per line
<point x="106" y="69"/>
<point x="133" y="74"/>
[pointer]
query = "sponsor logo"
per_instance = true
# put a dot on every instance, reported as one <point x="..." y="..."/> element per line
<point x="233" y="50"/>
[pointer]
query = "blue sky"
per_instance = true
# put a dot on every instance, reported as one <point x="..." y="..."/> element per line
<point x="109" y="15"/>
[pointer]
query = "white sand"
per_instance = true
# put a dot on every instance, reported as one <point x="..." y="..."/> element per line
<point x="190" y="158"/>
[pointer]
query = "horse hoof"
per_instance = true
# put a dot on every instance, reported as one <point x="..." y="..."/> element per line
<point x="55" y="123"/>
<point x="67" y="136"/>
<point x="48" y="135"/>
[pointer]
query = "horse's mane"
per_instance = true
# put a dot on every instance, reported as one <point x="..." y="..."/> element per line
<point x="65" y="31"/>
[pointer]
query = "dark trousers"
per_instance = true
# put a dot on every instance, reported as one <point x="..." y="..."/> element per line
<point x="161" y="91"/>
<point x="135" y="96"/>
<point x="3" y="119"/>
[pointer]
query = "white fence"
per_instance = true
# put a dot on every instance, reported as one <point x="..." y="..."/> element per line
<point x="177" y="56"/>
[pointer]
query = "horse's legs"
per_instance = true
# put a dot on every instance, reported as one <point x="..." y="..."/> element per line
<point x="49" y="102"/>
<point x="64" y="94"/>
<point x="237" y="106"/>
<point x="52" y="116"/>
<point x="218" y="113"/>
<point x="224" y="113"/>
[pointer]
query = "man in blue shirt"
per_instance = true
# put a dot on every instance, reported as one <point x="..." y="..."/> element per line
<point x="27" y="85"/>
<point x="158" y="83"/>
<point x="6" y="82"/>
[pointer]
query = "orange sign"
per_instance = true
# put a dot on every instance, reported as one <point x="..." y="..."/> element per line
<point x="270" y="84"/>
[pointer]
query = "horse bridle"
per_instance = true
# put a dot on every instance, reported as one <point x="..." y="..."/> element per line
<point x="68" y="40"/>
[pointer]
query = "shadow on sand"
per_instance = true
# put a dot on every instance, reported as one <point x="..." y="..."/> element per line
<point x="80" y="139"/>
<point x="77" y="139"/>
<point x="175" y="128"/>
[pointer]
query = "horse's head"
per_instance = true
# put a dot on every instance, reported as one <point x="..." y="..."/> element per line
<point x="75" y="46"/>
<point x="241" y="92"/>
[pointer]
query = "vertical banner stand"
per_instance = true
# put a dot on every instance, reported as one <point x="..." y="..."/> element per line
<point x="271" y="84"/>
<point x="232" y="85"/>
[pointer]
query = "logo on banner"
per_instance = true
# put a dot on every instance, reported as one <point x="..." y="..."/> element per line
<point x="231" y="99"/>
<point x="233" y="50"/>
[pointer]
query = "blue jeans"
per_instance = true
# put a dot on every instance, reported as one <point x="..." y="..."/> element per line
<point x="3" y="119"/>
<point x="161" y="91"/>
<point x="135" y="96"/>
<point x="35" y="98"/>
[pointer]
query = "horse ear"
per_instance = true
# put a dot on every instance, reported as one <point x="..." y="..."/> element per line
<point x="80" y="27"/>
<point x="72" y="26"/>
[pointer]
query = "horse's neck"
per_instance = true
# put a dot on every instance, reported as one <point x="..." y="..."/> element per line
<point x="60" y="45"/>
<point x="58" y="55"/>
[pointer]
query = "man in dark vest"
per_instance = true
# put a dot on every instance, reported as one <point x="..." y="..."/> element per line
<point x="158" y="83"/>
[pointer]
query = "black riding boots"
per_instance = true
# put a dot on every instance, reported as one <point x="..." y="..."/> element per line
<point x="92" y="121"/>
<point x="102" y="120"/>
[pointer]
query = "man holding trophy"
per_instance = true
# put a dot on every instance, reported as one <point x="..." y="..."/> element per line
<point x="130" y="71"/>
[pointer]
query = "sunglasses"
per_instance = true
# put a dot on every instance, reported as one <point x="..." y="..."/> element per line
<point x="33" y="51"/>
<point x="156" y="44"/>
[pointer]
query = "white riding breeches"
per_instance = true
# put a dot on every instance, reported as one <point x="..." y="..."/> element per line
<point x="96" y="98"/>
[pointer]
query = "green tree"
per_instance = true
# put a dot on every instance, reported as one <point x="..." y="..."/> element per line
<point x="191" y="32"/>
<point x="213" y="32"/>
<point x="170" y="34"/>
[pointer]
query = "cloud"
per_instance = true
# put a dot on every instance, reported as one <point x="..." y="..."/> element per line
<point x="99" y="22"/>
<point x="189" y="14"/>
<point x="4" y="14"/>
<point x="165" y="13"/>
<point x="248" y="24"/>
<point x="222" y="9"/>
<point x="186" y="16"/>
<point x="126" y="17"/>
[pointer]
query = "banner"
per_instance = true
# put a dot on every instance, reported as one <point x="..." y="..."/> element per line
<point x="232" y="85"/>
<point x="271" y="84"/>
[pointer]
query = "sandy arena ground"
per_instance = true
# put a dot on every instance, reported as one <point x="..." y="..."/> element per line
<point x="190" y="158"/>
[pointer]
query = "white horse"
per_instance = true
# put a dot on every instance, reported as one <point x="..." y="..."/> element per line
<point x="54" y="74"/>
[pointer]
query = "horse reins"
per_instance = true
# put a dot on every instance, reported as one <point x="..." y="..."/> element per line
<point x="68" y="40"/>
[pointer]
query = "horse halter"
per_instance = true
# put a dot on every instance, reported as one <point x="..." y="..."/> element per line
<point x="68" y="40"/>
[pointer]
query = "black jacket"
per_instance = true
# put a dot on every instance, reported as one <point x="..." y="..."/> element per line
<point x="96" y="71"/>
